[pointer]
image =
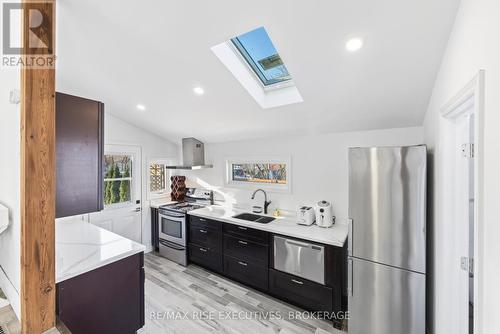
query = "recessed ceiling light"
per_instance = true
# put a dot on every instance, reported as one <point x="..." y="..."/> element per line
<point x="198" y="90"/>
<point x="141" y="107"/>
<point x="354" y="44"/>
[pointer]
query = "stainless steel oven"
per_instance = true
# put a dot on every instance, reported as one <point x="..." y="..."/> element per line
<point x="172" y="224"/>
<point x="172" y="236"/>
<point x="172" y="227"/>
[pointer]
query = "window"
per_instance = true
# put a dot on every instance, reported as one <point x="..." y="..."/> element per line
<point x="254" y="61"/>
<point x="117" y="179"/>
<point x="261" y="55"/>
<point x="272" y="174"/>
<point x="158" y="180"/>
<point x="259" y="173"/>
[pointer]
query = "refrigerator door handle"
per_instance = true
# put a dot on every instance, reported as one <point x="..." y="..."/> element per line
<point x="349" y="237"/>
<point x="350" y="272"/>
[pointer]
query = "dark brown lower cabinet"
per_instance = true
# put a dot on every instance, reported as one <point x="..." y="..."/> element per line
<point x="248" y="273"/>
<point x="246" y="250"/>
<point x="106" y="300"/>
<point x="155" y="233"/>
<point x="309" y="295"/>
<point x="205" y="257"/>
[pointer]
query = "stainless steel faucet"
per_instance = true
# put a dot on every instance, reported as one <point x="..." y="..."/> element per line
<point x="266" y="203"/>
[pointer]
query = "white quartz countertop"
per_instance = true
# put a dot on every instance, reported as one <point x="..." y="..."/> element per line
<point x="82" y="247"/>
<point x="285" y="225"/>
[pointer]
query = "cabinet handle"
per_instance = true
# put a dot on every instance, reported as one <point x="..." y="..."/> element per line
<point x="298" y="282"/>
<point x="243" y="263"/>
<point x="242" y="242"/>
<point x="202" y="219"/>
<point x="203" y="231"/>
<point x="203" y="249"/>
<point x="242" y="228"/>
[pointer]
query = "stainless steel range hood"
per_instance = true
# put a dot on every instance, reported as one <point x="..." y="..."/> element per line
<point x="193" y="155"/>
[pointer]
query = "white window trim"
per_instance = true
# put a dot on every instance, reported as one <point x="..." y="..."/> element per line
<point x="166" y="191"/>
<point x="276" y="188"/>
<point x="116" y="150"/>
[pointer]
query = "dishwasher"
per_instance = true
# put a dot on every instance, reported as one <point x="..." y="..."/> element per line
<point x="299" y="258"/>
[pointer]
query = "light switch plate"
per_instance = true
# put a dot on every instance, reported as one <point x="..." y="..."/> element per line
<point x="15" y="96"/>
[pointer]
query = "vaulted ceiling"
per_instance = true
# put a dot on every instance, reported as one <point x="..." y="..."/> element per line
<point x="154" y="53"/>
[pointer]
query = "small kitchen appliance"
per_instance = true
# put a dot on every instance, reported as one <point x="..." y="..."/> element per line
<point x="324" y="214"/>
<point x="305" y="215"/>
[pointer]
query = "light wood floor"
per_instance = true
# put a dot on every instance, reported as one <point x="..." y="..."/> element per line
<point x="11" y="325"/>
<point x="8" y="321"/>
<point x="214" y="304"/>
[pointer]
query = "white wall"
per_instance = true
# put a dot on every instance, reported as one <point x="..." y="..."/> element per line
<point x="117" y="131"/>
<point x="473" y="45"/>
<point x="319" y="165"/>
<point x="10" y="151"/>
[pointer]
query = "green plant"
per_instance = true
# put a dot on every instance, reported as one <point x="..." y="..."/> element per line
<point x="108" y="186"/>
<point x="115" y="185"/>
<point x="125" y="186"/>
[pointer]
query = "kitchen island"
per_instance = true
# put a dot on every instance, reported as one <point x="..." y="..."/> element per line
<point x="99" y="279"/>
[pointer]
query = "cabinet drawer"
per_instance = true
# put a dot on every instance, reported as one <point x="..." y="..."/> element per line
<point x="309" y="295"/>
<point x="246" y="232"/>
<point x="206" y="257"/>
<point x="246" y="272"/>
<point x="205" y="236"/>
<point x="205" y="223"/>
<point x="244" y="249"/>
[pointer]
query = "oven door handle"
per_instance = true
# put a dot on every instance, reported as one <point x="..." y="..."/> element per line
<point x="170" y="214"/>
<point x="171" y="245"/>
<point x="174" y="218"/>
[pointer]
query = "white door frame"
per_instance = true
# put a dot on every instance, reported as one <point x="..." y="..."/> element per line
<point x="473" y="91"/>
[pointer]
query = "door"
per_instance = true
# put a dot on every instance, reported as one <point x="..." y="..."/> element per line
<point x="122" y="192"/>
<point x="463" y="208"/>
<point x="457" y="219"/>
<point x="385" y="300"/>
<point x="387" y="189"/>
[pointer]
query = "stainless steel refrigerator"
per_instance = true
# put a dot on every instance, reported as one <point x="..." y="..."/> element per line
<point x="386" y="243"/>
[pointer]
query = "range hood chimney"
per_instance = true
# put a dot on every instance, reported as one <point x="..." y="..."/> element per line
<point x="193" y="155"/>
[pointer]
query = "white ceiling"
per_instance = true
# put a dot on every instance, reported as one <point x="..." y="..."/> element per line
<point x="127" y="52"/>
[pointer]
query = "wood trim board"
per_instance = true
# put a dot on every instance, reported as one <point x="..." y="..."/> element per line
<point x="38" y="179"/>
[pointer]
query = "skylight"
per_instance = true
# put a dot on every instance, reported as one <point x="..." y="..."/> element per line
<point x="259" y="52"/>
<point x="254" y="61"/>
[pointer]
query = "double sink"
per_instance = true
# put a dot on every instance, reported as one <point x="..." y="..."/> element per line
<point x="254" y="218"/>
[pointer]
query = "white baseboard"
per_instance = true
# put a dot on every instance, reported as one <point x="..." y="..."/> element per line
<point x="11" y="293"/>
